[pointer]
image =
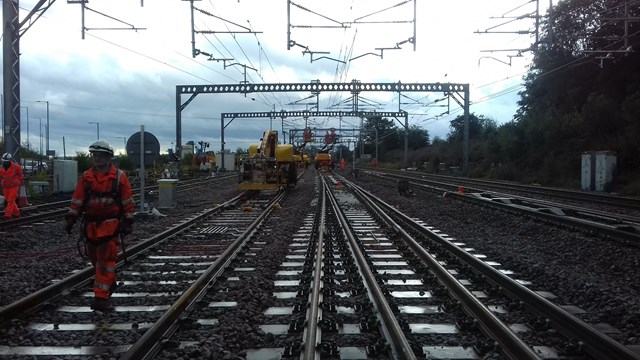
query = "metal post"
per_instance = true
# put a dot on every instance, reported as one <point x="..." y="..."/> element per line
<point x="142" y="172"/>
<point x="47" y="132"/>
<point x="47" y="128"/>
<point x="354" y="153"/>
<point x="406" y="140"/>
<point x="40" y="137"/>
<point x="178" y="148"/>
<point x="97" y="128"/>
<point x="11" y="77"/>
<point x="222" y="143"/>
<point x="193" y="33"/>
<point x="465" y="142"/>
<point x="340" y="130"/>
<point x="377" y="144"/>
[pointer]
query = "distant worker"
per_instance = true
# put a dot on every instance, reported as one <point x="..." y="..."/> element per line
<point x="342" y="164"/>
<point x="103" y="195"/>
<point x="12" y="179"/>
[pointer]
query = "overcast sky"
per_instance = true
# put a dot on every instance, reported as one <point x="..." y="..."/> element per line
<point x="123" y="79"/>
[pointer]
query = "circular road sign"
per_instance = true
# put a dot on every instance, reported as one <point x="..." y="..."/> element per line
<point x="151" y="148"/>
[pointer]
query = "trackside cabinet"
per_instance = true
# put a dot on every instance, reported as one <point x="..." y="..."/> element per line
<point x="588" y="164"/>
<point x="167" y="193"/>
<point x="605" y="168"/>
<point x="597" y="171"/>
<point x="65" y="176"/>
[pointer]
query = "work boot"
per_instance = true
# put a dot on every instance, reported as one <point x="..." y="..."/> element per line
<point x="101" y="305"/>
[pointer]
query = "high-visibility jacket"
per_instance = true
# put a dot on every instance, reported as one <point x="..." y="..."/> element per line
<point x="12" y="176"/>
<point x="105" y="198"/>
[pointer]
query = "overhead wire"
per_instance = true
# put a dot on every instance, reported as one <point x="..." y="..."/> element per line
<point x="230" y="53"/>
<point x="344" y="68"/>
<point x="267" y="58"/>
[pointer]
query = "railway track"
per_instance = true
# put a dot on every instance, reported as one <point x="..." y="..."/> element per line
<point x="603" y="223"/>
<point x="333" y="272"/>
<point x="161" y="277"/>
<point x="452" y="183"/>
<point x="504" y="295"/>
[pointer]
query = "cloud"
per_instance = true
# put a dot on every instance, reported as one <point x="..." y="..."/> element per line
<point x="125" y="79"/>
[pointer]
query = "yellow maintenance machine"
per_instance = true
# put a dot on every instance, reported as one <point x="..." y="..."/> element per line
<point x="268" y="166"/>
<point x="323" y="160"/>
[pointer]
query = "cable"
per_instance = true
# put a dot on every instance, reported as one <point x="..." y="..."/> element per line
<point x="149" y="57"/>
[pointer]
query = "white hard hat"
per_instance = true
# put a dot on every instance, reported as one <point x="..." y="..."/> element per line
<point x="6" y="157"/>
<point x="101" y="146"/>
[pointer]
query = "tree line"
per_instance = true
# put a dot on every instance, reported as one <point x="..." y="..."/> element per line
<point x="581" y="93"/>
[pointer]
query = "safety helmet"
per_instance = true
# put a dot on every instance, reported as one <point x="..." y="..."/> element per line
<point x="101" y="146"/>
<point x="6" y="157"/>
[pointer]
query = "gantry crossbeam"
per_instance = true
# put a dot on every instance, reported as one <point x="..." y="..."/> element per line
<point x="315" y="87"/>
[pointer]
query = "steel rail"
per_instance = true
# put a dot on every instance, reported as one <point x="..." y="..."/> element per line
<point x="572" y="222"/>
<point x="149" y="344"/>
<point x="567" y="220"/>
<point x="312" y="333"/>
<point x="398" y="340"/>
<point x="599" y="198"/>
<point x="490" y="324"/>
<point x="34" y="301"/>
<point x="598" y="344"/>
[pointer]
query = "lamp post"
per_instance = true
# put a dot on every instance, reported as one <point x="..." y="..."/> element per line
<point x="40" y="136"/>
<point x="47" y="132"/>
<point x="97" y="128"/>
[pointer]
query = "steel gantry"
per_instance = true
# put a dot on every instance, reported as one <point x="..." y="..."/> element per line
<point x="305" y="114"/>
<point x="355" y="87"/>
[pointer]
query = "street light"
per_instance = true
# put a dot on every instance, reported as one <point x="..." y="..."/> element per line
<point x="97" y="128"/>
<point x="45" y="101"/>
<point x="40" y="136"/>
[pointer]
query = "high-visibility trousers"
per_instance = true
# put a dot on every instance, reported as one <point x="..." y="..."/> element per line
<point x="103" y="256"/>
<point x="10" y="196"/>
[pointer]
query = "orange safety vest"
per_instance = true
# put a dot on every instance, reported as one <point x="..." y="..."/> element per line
<point x="12" y="176"/>
<point x="104" y="198"/>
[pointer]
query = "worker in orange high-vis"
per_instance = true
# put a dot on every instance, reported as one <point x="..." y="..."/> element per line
<point x="11" y="175"/>
<point x="104" y="200"/>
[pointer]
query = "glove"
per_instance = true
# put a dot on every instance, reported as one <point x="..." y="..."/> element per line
<point x="70" y="221"/>
<point x="128" y="227"/>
